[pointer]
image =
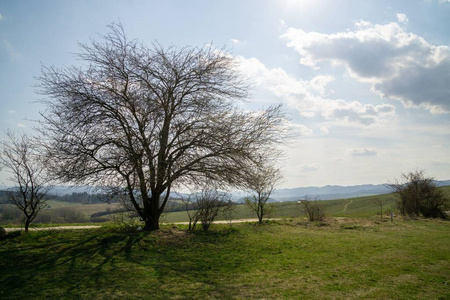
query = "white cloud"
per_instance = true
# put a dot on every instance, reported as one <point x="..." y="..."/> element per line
<point x="11" y="112"/>
<point x="402" y="18"/>
<point x="362" y="152"/>
<point x="1" y="18"/>
<point x="299" y="130"/>
<point x="325" y="130"/>
<point x="309" y="97"/>
<point x="309" y="167"/>
<point x="21" y="125"/>
<point x="399" y="64"/>
<point x="235" y="42"/>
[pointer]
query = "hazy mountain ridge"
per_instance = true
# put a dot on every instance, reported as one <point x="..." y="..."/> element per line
<point x="330" y="192"/>
<point x="327" y="192"/>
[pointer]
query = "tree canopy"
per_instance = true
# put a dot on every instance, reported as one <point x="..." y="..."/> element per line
<point x="143" y="119"/>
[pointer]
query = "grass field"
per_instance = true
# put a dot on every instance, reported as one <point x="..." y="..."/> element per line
<point x="344" y="258"/>
<point x="355" y="207"/>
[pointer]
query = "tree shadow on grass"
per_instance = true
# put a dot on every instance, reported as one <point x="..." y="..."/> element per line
<point x="42" y="266"/>
<point x="95" y="264"/>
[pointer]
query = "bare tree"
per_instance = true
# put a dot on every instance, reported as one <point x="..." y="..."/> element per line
<point x="419" y="195"/>
<point x="210" y="204"/>
<point x="22" y="160"/>
<point x="262" y="181"/>
<point x="313" y="209"/>
<point x="191" y="211"/>
<point x="144" y="120"/>
<point x="205" y="207"/>
<point x="379" y="202"/>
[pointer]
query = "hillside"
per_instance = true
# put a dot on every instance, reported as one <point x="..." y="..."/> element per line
<point x="351" y="207"/>
<point x="331" y="192"/>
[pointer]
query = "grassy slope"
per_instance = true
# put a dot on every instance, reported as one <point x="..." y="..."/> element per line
<point x="355" y="207"/>
<point x="350" y="259"/>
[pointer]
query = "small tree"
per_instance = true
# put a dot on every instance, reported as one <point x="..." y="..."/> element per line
<point x="419" y="195"/>
<point x="379" y="202"/>
<point x="313" y="209"/>
<point x="20" y="157"/>
<point x="205" y="207"/>
<point x="262" y="182"/>
<point x="191" y="210"/>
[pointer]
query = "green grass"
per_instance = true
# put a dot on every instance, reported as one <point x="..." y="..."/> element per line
<point x="342" y="259"/>
<point x="355" y="207"/>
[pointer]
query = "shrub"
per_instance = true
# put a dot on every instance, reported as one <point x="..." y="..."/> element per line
<point x="313" y="209"/>
<point x="205" y="206"/>
<point x="419" y="195"/>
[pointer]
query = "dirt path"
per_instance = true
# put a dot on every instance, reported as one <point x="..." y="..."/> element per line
<point x="346" y="205"/>
<point x="226" y="221"/>
<point x="96" y="226"/>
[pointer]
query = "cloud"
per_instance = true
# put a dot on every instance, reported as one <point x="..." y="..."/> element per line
<point x="309" y="97"/>
<point x="399" y="64"/>
<point x="235" y="42"/>
<point x="402" y="18"/>
<point x="11" y="112"/>
<point x="21" y="125"/>
<point x="357" y="112"/>
<point x="325" y="130"/>
<point x="362" y="152"/>
<point x="299" y="129"/>
<point x="1" y="18"/>
<point x="309" y="167"/>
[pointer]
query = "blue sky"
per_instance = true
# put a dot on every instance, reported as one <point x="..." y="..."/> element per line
<point x="366" y="84"/>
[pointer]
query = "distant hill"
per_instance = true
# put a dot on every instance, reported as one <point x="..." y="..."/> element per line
<point x="331" y="192"/>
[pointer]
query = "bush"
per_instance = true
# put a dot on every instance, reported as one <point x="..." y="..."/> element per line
<point x="419" y="195"/>
<point x="204" y="207"/>
<point x="314" y="210"/>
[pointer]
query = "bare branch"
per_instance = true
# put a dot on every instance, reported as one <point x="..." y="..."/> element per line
<point x="20" y="156"/>
<point x="146" y="119"/>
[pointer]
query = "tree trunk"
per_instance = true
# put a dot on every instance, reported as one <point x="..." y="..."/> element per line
<point x="151" y="224"/>
<point x="27" y="224"/>
<point x="260" y="210"/>
<point x="152" y="214"/>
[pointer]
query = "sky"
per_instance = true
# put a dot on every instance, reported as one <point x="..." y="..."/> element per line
<point x="365" y="84"/>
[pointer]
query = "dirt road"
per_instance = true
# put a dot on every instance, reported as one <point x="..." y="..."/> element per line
<point x="96" y="226"/>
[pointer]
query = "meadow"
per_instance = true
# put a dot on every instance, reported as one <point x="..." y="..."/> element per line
<point x="353" y="254"/>
<point x="342" y="258"/>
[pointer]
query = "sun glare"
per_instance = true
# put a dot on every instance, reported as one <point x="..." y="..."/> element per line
<point x="299" y="4"/>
